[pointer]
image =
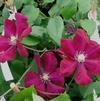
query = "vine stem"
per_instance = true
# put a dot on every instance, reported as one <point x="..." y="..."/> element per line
<point x="72" y="78"/>
<point x="5" y="93"/>
<point x="23" y="75"/>
<point x="35" y="50"/>
<point x="16" y="83"/>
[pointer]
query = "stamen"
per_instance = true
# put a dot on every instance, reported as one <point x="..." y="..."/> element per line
<point x="45" y="77"/>
<point x="80" y="57"/>
<point x="13" y="39"/>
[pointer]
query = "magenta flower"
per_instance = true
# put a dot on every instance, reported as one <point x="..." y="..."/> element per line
<point x="14" y="32"/>
<point x="48" y="82"/>
<point x="81" y="55"/>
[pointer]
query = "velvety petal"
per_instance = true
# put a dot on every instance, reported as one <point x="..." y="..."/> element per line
<point x="51" y="91"/>
<point x="93" y="66"/>
<point x="8" y="54"/>
<point x="60" y="50"/>
<point x="90" y="46"/>
<point x="94" y="52"/>
<point x="51" y="88"/>
<point x="81" y="77"/>
<point x="25" y="33"/>
<point x="4" y="43"/>
<point x="41" y="87"/>
<point x="67" y="67"/>
<point x="38" y="63"/>
<point x="42" y="91"/>
<point x="57" y="78"/>
<point x="67" y="47"/>
<point x="49" y="62"/>
<point x="31" y="78"/>
<point x="22" y="50"/>
<point x="21" y="23"/>
<point x="80" y="40"/>
<point x="9" y="28"/>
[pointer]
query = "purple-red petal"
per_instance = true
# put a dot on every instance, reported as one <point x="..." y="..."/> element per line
<point x="38" y="63"/>
<point x="21" y="23"/>
<point x="25" y="33"/>
<point x="49" y="62"/>
<point x="93" y="67"/>
<point x="57" y="78"/>
<point x="9" y="28"/>
<point x="31" y="78"/>
<point x="4" y="43"/>
<point x="93" y="53"/>
<point x="80" y="40"/>
<point x="8" y="54"/>
<point x="67" y="67"/>
<point x="52" y="88"/>
<point x="22" y="50"/>
<point x="82" y="78"/>
<point x="67" y="47"/>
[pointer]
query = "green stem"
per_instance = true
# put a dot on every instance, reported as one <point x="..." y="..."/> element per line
<point x="72" y="79"/>
<point x="35" y="50"/>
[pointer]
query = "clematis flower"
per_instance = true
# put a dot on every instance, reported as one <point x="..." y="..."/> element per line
<point x="81" y="55"/>
<point x="48" y="82"/>
<point x="14" y="32"/>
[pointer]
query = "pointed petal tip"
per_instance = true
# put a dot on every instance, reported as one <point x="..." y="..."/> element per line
<point x="20" y="15"/>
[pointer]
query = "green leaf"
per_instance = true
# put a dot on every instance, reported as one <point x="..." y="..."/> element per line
<point x="30" y="41"/>
<point x="84" y="6"/>
<point x="28" y="2"/>
<point x="37" y="98"/>
<point x="1" y="20"/>
<point x="31" y="12"/>
<point x="5" y="13"/>
<point x="69" y="10"/>
<point x="27" y="99"/>
<point x="24" y="94"/>
<point x="1" y="29"/>
<point x="38" y="31"/>
<point x="15" y="64"/>
<point x="89" y="26"/>
<point x="1" y="76"/>
<point x="18" y="3"/>
<point x="55" y="28"/>
<point x="63" y="3"/>
<point x="47" y="1"/>
<point x="89" y="90"/>
<point x="62" y="97"/>
<point x="89" y="98"/>
<point x="57" y="8"/>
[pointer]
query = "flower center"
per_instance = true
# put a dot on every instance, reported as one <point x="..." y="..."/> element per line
<point x="13" y="39"/>
<point x="80" y="57"/>
<point x="45" y="77"/>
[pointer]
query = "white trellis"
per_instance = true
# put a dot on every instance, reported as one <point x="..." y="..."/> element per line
<point x="92" y="15"/>
<point x="95" y="98"/>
